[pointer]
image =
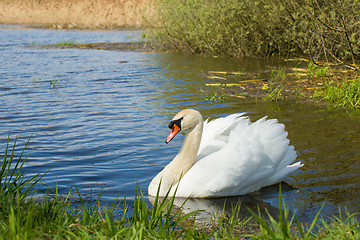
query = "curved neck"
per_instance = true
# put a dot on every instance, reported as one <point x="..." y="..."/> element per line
<point x="190" y="148"/>
<point x="186" y="157"/>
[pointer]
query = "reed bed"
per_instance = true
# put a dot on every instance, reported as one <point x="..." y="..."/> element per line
<point x="76" y="13"/>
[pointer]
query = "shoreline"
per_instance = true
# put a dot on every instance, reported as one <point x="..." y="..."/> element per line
<point x="302" y="84"/>
<point x="110" y="46"/>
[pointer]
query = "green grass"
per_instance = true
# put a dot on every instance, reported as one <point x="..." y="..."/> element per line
<point x="53" y="84"/>
<point x="65" y="43"/>
<point x="341" y="94"/>
<point x="13" y="184"/>
<point x="318" y="71"/>
<point x="213" y="96"/>
<point x="23" y="215"/>
<point x="275" y="87"/>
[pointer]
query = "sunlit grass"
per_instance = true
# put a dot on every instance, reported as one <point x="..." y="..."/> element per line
<point x="53" y="216"/>
<point x="345" y="93"/>
<point x="13" y="183"/>
<point x="318" y="71"/>
<point x="214" y="96"/>
<point x="53" y="84"/>
<point x="275" y="87"/>
<point x="65" y="43"/>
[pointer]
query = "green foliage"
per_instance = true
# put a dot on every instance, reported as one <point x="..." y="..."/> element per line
<point x="341" y="94"/>
<point x="215" y="96"/>
<point x="283" y="227"/>
<point x="322" y="29"/>
<point x="317" y="71"/>
<point x="54" y="217"/>
<point x="341" y="227"/>
<point x="53" y="84"/>
<point x="24" y="216"/>
<point x="13" y="183"/>
<point x="275" y="87"/>
<point x="65" y="43"/>
<point x="36" y="80"/>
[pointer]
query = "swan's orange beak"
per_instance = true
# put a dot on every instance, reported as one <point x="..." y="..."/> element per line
<point x="174" y="130"/>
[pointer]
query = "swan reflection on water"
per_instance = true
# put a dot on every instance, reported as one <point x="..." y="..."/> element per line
<point x="212" y="207"/>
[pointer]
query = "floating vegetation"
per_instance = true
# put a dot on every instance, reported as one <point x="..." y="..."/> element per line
<point x="213" y="96"/>
<point x="33" y="43"/>
<point x="65" y="43"/>
<point x="53" y="84"/>
<point x="36" y="80"/>
<point x="120" y="46"/>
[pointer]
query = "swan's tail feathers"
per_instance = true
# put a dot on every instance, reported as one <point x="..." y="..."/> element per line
<point x="283" y="173"/>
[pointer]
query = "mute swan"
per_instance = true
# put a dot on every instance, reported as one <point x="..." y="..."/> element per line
<point x="225" y="157"/>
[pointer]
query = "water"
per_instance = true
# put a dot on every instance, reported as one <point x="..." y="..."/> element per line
<point x="104" y="125"/>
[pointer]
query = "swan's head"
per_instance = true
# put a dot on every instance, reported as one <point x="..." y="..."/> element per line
<point x="187" y="118"/>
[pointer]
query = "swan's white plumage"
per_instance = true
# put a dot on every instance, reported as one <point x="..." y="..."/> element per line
<point x="235" y="157"/>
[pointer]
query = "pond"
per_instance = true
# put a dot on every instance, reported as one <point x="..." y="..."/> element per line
<point x="103" y="125"/>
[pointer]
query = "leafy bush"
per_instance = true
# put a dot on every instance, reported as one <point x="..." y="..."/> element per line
<point x="322" y="29"/>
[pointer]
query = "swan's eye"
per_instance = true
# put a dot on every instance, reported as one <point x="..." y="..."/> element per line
<point x="175" y="122"/>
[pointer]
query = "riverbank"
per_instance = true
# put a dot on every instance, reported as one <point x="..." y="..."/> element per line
<point x="310" y="83"/>
<point x="26" y="217"/>
<point x="307" y="82"/>
<point x="76" y="14"/>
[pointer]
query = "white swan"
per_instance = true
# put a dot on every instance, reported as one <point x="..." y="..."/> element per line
<point x="225" y="157"/>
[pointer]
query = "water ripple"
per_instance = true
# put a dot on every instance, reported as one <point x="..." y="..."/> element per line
<point x="104" y="124"/>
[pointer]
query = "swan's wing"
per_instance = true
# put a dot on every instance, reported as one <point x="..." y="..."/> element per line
<point x="256" y="155"/>
<point x="216" y="133"/>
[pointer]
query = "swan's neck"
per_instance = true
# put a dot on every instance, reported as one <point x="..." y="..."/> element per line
<point x="186" y="157"/>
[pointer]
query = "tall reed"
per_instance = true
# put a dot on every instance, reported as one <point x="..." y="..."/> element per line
<point x="76" y="13"/>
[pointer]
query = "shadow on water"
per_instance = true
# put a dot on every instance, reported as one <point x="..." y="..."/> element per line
<point x="104" y="124"/>
<point x="210" y="207"/>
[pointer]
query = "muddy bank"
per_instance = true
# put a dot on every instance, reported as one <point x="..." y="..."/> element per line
<point x="291" y="83"/>
<point x="115" y="46"/>
<point x="77" y="13"/>
<point x="302" y="83"/>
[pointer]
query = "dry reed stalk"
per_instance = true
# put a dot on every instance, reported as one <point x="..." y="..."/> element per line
<point x="76" y="13"/>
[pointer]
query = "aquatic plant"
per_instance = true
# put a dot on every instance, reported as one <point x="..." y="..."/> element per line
<point x="33" y="43"/>
<point x="341" y="94"/>
<point x="275" y="87"/>
<point x="213" y="96"/>
<point x="317" y="71"/>
<point x="53" y="83"/>
<point x="36" y="80"/>
<point x="65" y="43"/>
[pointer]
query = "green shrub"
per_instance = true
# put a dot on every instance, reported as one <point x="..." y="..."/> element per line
<point x="320" y="29"/>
